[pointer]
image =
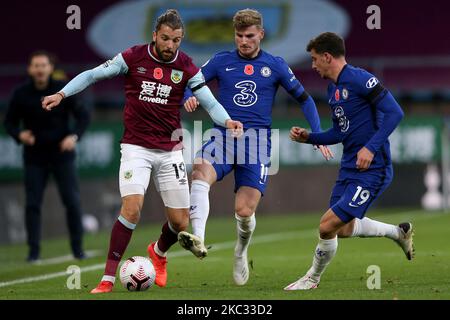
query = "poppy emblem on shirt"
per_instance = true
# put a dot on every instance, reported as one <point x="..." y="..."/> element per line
<point x="176" y="76"/>
<point x="336" y="95"/>
<point x="248" y="70"/>
<point x="157" y="73"/>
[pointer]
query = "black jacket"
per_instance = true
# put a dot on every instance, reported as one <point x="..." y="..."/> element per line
<point x="49" y="127"/>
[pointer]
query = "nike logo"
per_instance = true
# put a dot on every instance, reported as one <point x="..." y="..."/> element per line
<point x="229" y="69"/>
<point x="353" y="205"/>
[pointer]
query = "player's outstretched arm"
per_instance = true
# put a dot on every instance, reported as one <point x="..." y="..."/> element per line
<point x="310" y="111"/>
<point x="191" y="105"/>
<point x="107" y="70"/>
<point x="215" y="110"/>
<point x="293" y="86"/>
<point x="329" y="137"/>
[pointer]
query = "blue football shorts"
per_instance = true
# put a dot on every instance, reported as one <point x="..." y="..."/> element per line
<point x="355" y="191"/>
<point x="249" y="157"/>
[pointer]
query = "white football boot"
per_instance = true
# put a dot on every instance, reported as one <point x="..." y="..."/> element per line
<point x="240" y="270"/>
<point x="405" y="240"/>
<point x="192" y="243"/>
<point x="307" y="282"/>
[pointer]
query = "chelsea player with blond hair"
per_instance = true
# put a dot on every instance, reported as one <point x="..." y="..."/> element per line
<point x="364" y="114"/>
<point x="248" y="79"/>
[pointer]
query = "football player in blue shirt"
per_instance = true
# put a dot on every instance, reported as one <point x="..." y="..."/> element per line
<point x="248" y="79"/>
<point x="364" y="114"/>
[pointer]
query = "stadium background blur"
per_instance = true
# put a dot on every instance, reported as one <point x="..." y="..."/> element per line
<point x="410" y="54"/>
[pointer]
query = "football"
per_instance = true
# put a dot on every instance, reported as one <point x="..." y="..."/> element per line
<point x="137" y="274"/>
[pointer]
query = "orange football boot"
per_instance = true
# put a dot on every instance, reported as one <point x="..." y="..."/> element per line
<point x="160" y="265"/>
<point x="103" y="287"/>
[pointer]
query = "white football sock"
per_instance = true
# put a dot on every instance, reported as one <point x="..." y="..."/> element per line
<point x="109" y="278"/>
<point x="370" y="228"/>
<point x="325" y="251"/>
<point x="199" y="210"/>
<point x="158" y="250"/>
<point x="245" y="228"/>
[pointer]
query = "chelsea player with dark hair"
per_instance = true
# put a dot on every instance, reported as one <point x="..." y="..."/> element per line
<point x="248" y="79"/>
<point x="364" y="114"/>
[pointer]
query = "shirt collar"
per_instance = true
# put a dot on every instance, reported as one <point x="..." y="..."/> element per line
<point x="249" y="59"/>
<point x="340" y="73"/>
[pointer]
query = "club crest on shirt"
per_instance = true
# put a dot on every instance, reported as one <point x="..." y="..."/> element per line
<point x="345" y="94"/>
<point x="266" y="72"/>
<point x="128" y="174"/>
<point x="176" y="76"/>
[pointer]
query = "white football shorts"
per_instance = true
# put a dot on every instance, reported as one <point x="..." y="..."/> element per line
<point x="137" y="164"/>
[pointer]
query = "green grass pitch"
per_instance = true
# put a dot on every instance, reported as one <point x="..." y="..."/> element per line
<point x="281" y="251"/>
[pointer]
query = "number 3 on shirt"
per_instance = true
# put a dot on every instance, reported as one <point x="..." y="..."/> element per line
<point x="247" y="97"/>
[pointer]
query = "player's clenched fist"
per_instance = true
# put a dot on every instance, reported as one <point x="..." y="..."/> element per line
<point x="191" y="104"/>
<point x="236" y="127"/>
<point x="364" y="158"/>
<point x="298" y="134"/>
<point x="52" y="101"/>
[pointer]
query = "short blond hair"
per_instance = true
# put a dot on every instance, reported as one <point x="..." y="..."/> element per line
<point x="246" y="18"/>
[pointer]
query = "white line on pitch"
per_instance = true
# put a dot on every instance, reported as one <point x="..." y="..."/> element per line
<point x="215" y="247"/>
<point x="66" y="258"/>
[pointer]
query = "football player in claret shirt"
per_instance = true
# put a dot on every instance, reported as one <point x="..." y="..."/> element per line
<point x="156" y="76"/>
<point x="248" y="79"/>
<point x="364" y="114"/>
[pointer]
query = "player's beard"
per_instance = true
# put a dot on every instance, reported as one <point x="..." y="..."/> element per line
<point x="161" y="54"/>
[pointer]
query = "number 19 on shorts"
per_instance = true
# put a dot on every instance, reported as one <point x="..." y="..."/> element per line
<point x="362" y="194"/>
<point x="179" y="168"/>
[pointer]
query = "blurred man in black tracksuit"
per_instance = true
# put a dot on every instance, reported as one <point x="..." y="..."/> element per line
<point x="49" y="148"/>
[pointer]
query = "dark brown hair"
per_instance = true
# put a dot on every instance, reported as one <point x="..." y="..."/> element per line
<point x="38" y="53"/>
<point x="327" y="42"/>
<point x="170" y="18"/>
